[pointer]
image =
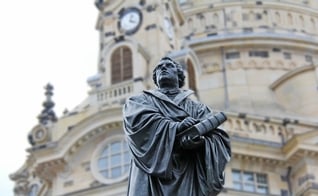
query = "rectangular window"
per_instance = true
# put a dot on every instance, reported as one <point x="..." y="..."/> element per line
<point x="287" y="55"/>
<point x="263" y="54"/>
<point x="250" y="181"/>
<point x="308" y="58"/>
<point x="182" y="1"/>
<point x="276" y="49"/>
<point x="232" y="55"/>
<point x="248" y="30"/>
<point x="283" y="192"/>
<point x="245" y="16"/>
<point x="258" y="16"/>
<point x="259" y="3"/>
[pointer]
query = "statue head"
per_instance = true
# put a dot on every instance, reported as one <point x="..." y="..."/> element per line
<point x="174" y="65"/>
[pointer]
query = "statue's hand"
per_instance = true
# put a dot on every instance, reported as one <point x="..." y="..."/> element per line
<point x="186" y="123"/>
<point x="188" y="142"/>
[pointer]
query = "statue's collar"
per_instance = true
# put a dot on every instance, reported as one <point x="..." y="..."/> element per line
<point x="169" y="91"/>
<point x="177" y="100"/>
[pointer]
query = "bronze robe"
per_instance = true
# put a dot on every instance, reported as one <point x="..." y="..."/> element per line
<point x="158" y="167"/>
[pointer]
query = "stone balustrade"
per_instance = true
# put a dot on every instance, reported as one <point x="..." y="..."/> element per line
<point x="260" y="129"/>
<point x="117" y="93"/>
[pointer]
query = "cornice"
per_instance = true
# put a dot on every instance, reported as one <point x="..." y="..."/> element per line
<point x="94" y="186"/>
<point x="245" y="39"/>
<point x="91" y="134"/>
<point x="48" y="170"/>
<point x="297" y="7"/>
<point x="190" y="8"/>
<point x="273" y="155"/>
<point x="247" y="143"/>
<point x="109" y="5"/>
<point x="79" y="134"/>
<point x="281" y="119"/>
<point x="48" y="166"/>
<point x="258" y="159"/>
<point x="297" y="148"/>
<point x="21" y="174"/>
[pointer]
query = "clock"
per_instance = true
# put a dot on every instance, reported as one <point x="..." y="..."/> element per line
<point x="130" y="20"/>
<point x="39" y="135"/>
<point x="168" y="27"/>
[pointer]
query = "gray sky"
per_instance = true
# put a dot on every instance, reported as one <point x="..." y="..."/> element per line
<point x="40" y="42"/>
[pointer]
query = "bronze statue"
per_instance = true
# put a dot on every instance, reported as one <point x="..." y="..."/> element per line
<point x="176" y="146"/>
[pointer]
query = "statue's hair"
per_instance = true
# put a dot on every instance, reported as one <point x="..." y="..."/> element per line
<point x="181" y="75"/>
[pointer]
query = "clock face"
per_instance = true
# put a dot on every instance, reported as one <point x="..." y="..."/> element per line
<point x="130" y="20"/>
<point x="168" y="27"/>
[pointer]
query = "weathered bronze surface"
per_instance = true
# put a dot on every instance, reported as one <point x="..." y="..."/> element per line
<point x="161" y="164"/>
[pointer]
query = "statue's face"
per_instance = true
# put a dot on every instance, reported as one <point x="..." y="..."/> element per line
<point x="167" y="73"/>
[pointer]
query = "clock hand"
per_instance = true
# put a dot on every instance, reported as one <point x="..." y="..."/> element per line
<point x="131" y="19"/>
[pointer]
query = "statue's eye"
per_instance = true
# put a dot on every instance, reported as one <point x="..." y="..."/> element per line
<point x="169" y="65"/>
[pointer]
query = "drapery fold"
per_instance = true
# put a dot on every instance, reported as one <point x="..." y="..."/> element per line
<point x="158" y="167"/>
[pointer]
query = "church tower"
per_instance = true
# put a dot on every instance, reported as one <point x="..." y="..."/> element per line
<point x="133" y="36"/>
<point x="255" y="60"/>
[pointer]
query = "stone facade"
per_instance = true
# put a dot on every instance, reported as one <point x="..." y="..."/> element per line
<point x="255" y="60"/>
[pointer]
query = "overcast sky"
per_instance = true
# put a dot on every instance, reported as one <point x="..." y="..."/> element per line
<point x="41" y="41"/>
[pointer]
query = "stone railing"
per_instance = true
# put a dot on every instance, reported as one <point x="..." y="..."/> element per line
<point x="261" y="129"/>
<point x="117" y="93"/>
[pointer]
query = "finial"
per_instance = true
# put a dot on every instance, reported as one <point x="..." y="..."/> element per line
<point x="47" y="113"/>
<point x="99" y="4"/>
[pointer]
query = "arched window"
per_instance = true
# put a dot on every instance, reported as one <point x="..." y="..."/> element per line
<point x="111" y="160"/>
<point x="114" y="160"/>
<point x="277" y="18"/>
<point x="313" y="24"/>
<point x="216" y="19"/>
<point x="290" y="19"/>
<point x="302" y="21"/>
<point x="33" y="190"/>
<point x="190" y="24"/>
<point x="202" y="20"/>
<point x="121" y="65"/>
<point x="251" y="16"/>
<point x="191" y="77"/>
